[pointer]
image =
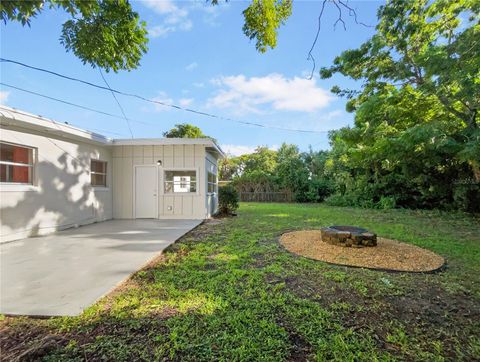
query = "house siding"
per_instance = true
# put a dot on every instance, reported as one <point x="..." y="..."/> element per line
<point x="170" y="206"/>
<point x="61" y="196"/>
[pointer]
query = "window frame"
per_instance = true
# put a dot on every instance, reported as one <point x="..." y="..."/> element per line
<point x="215" y="184"/>
<point x="173" y="169"/>
<point x="32" y="166"/>
<point x="105" y="186"/>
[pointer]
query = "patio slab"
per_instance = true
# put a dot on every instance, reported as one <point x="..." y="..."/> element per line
<point x="64" y="273"/>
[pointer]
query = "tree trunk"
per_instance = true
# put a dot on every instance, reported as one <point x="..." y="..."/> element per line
<point x="475" y="169"/>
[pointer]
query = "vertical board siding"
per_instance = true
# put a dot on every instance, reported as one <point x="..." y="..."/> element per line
<point x="191" y="157"/>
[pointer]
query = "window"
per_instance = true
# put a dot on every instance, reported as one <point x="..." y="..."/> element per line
<point x="212" y="182"/>
<point x="16" y="164"/>
<point x="98" y="173"/>
<point x="180" y="181"/>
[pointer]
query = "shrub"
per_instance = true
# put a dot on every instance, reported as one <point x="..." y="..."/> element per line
<point x="386" y="202"/>
<point x="338" y="200"/>
<point x="227" y="199"/>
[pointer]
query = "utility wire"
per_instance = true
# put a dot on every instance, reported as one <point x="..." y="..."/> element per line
<point x="70" y="103"/>
<point x="158" y="102"/>
<point x="116" y="100"/>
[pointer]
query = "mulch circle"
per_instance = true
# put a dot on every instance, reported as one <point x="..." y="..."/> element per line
<point x="388" y="255"/>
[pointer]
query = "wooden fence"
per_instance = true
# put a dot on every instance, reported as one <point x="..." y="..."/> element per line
<point x="265" y="196"/>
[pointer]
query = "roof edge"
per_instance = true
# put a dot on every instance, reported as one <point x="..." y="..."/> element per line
<point x="10" y="116"/>
<point x="14" y="117"/>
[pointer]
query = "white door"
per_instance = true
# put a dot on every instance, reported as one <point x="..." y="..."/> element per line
<point x="146" y="192"/>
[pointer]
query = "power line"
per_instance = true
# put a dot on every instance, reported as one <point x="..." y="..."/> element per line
<point x="70" y="103"/>
<point x="159" y="102"/>
<point x="119" y="105"/>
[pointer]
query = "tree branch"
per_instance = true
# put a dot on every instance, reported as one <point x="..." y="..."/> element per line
<point x="310" y="55"/>
<point x="338" y="4"/>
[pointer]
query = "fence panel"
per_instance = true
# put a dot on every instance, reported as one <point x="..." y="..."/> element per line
<point x="265" y="196"/>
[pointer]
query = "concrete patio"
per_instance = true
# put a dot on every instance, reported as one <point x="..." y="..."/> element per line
<point x="64" y="273"/>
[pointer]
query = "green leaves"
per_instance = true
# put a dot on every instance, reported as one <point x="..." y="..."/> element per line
<point x="185" y="130"/>
<point x="110" y="37"/>
<point x="103" y="33"/>
<point x="262" y="20"/>
<point x="417" y="109"/>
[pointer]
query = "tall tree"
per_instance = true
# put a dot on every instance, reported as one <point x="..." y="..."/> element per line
<point x="426" y="48"/>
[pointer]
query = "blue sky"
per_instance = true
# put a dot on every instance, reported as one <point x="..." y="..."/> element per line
<point x="199" y="58"/>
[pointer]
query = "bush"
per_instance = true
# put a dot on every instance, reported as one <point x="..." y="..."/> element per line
<point x="338" y="200"/>
<point x="386" y="202"/>
<point x="227" y="199"/>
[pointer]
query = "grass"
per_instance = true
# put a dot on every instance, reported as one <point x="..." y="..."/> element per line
<point x="227" y="291"/>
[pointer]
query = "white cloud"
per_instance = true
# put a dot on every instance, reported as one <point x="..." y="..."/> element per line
<point x="4" y="96"/>
<point x="199" y="84"/>
<point x="275" y="90"/>
<point x="160" y="31"/>
<point x="191" y="66"/>
<point x="162" y="6"/>
<point x="238" y="150"/>
<point x="175" y="18"/>
<point x="185" y="102"/>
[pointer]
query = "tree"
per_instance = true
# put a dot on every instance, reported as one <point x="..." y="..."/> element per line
<point x="287" y="169"/>
<point x="427" y="48"/>
<point x="108" y="34"/>
<point x="103" y="33"/>
<point x="415" y="141"/>
<point x="185" y="130"/>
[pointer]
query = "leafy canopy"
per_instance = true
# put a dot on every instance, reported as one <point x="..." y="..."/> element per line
<point x="185" y="130"/>
<point x="262" y="20"/>
<point x="108" y="34"/>
<point x="103" y="33"/>
<point x="288" y="169"/>
<point x="416" y="137"/>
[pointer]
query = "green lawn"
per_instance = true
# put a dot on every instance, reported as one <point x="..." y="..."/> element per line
<point x="228" y="291"/>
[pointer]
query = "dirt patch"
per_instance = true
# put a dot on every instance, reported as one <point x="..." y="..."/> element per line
<point x="387" y="255"/>
<point x="26" y="343"/>
<point x="417" y="304"/>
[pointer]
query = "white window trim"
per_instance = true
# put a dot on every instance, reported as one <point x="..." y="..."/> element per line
<point x="16" y="187"/>
<point x="99" y="187"/>
<point x="212" y="183"/>
<point x="21" y="186"/>
<point x="197" y="179"/>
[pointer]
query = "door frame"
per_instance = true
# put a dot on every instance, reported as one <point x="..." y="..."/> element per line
<point x="135" y="188"/>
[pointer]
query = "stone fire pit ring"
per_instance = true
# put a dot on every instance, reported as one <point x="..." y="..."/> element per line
<point x="348" y="236"/>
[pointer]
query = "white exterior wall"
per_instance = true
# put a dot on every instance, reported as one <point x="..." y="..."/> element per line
<point x="211" y="200"/>
<point x="61" y="196"/>
<point x="170" y="206"/>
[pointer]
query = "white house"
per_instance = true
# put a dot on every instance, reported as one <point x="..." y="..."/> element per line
<point x="54" y="176"/>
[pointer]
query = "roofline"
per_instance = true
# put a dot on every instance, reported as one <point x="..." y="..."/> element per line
<point x="13" y="117"/>
<point x="169" y="141"/>
<point x="17" y="118"/>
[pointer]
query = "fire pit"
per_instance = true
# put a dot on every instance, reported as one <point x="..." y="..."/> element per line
<point x="348" y="236"/>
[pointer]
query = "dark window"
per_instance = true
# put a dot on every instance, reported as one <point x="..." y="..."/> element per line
<point x="98" y="173"/>
<point x="16" y="164"/>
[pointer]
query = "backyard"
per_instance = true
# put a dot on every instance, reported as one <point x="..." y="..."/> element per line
<point x="228" y="291"/>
